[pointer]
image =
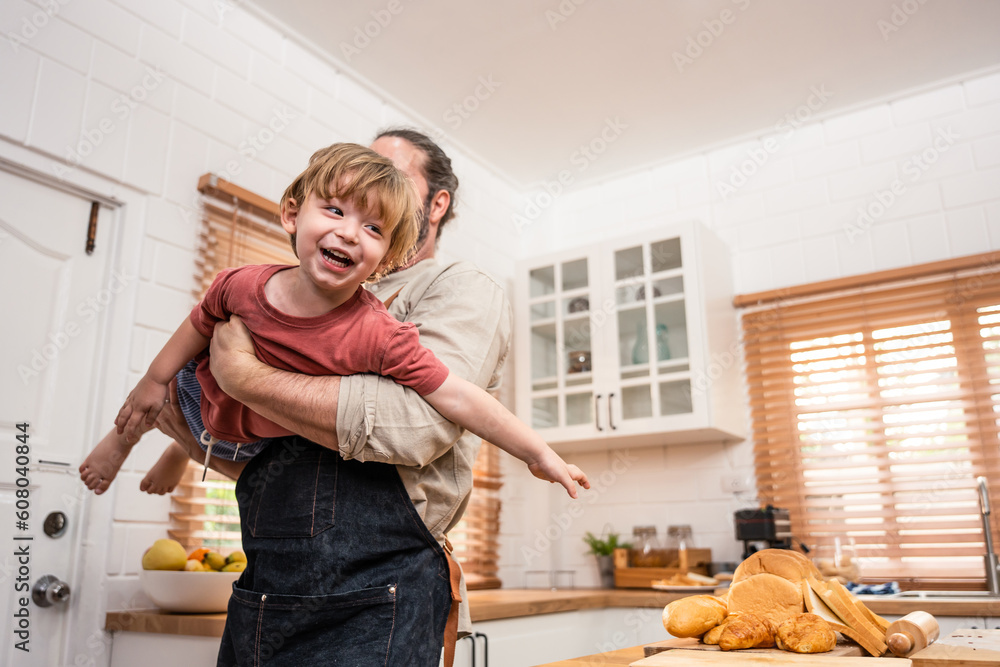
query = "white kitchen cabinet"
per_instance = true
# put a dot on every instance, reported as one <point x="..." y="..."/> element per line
<point x="631" y="342"/>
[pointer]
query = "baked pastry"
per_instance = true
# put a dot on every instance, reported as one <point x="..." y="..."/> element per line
<point x="693" y="616"/>
<point x="768" y="595"/>
<point x="747" y="631"/>
<point x="712" y="636"/>
<point x="805" y="633"/>
<point x="785" y="563"/>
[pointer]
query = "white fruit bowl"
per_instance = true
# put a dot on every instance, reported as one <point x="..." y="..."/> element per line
<point x="191" y="592"/>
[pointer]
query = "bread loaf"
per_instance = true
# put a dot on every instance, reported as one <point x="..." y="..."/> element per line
<point x="790" y="565"/>
<point x="805" y="633"/>
<point x="693" y="616"/>
<point x="767" y="595"/>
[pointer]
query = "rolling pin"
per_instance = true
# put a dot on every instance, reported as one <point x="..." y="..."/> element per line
<point x="914" y="632"/>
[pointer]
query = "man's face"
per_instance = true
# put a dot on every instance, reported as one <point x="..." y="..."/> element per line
<point x="410" y="160"/>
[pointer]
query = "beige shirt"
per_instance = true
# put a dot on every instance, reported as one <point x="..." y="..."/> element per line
<point x="465" y="319"/>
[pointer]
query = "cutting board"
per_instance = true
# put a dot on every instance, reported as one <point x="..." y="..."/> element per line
<point x="962" y="648"/>
<point x="682" y="658"/>
<point x="845" y="648"/>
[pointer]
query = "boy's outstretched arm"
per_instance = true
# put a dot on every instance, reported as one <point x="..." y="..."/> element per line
<point x="474" y="409"/>
<point x="144" y="403"/>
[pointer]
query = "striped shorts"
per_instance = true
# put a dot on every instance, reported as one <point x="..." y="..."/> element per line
<point x="189" y="398"/>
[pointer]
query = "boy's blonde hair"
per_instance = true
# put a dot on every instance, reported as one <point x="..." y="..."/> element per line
<point x="374" y="184"/>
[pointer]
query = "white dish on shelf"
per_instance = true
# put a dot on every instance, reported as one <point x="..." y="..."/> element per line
<point x="686" y="589"/>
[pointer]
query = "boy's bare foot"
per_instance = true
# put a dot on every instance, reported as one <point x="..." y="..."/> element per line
<point x="167" y="472"/>
<point x="98" y="470"/>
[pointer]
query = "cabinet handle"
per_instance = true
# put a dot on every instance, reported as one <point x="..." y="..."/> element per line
<point x="611" y="418"/>
<point x="597" y="414"/>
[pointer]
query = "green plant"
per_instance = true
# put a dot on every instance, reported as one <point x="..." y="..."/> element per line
<point x="600" y="547"/>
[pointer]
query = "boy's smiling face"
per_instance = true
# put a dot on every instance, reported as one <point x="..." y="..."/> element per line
<point x="339" y="245"/>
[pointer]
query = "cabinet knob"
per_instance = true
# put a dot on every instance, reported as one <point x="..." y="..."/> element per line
<point x="611" y="417"/>
<point x="597" y="414"/>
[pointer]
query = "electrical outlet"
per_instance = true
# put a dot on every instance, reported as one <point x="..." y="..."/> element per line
<point x="735" y="483"/>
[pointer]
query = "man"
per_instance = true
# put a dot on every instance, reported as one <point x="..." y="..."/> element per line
<point x="464" y="318"/>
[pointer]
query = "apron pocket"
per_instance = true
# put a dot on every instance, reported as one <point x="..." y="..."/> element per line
<point x="294" y="493"/>
<point x="351" y="629"/>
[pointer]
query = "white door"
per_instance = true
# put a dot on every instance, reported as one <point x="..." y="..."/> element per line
<point x="55" y="300"/>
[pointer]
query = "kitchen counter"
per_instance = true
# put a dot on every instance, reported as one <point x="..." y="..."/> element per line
<point x="512" y="603"/>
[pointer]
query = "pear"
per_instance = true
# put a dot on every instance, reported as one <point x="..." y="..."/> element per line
<point x="164" y="555"/>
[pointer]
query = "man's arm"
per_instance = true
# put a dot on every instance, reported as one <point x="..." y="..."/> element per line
<point x="304" y="404"/>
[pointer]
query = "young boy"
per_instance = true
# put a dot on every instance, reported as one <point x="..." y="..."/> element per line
<point x="352" y="217"/>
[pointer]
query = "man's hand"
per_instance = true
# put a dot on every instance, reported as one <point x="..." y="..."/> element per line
<point x="232" y="357"/>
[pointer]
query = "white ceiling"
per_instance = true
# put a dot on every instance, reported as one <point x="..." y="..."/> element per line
<point x="562" y="68"/>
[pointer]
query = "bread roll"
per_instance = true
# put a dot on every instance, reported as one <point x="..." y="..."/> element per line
<point x="693" y="616"/>
<point x="766" y="595"/>
<point x="805" y="633"/>
<point x="784" y="563"/>
<point x="747" y="631"/>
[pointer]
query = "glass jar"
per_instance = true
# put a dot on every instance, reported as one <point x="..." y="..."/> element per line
<point x="679" y="538"/>
<point x="645" y="547"/>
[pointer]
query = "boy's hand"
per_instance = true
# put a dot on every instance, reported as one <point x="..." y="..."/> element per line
<point x="550" y="467"/>
<point x="139" y="412"/>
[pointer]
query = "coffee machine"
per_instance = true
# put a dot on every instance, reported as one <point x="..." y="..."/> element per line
<point x="765" y="528"/>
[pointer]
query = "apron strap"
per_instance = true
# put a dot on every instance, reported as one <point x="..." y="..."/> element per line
<point x="451" y="628"/>
<point x="388" y="302"/>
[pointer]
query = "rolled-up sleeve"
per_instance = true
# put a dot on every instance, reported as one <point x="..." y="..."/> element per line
<point x="464" y="318"/>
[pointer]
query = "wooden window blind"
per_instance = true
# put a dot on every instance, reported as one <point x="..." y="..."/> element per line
<point x="476" y="537"/>
<point x="875" y="408"/>
<point x="240" y="227"/>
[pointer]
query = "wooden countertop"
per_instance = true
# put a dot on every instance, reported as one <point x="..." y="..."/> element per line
<point x="620" y="658"/>
<point x="512" y="603"/>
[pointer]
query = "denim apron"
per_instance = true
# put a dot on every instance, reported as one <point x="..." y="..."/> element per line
<point x="341" y="570"/>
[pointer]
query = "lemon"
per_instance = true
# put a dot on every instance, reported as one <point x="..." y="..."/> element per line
<point x="164" y="555"/>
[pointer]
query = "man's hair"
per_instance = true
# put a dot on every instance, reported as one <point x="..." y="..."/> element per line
<point x="436" y="168"/>
<point x="373" y="184"/>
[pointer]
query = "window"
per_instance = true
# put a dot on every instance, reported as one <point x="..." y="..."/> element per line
<point x="874" y="410"/>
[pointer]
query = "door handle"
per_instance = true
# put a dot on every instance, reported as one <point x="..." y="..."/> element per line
<point x="611" y="418"/>
<point x="597" y="414"/>
<point x="48" y="590"/>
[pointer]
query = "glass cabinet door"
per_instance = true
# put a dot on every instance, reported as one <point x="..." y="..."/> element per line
<point x="652" y="342"/>
<point x="561" y="345"/>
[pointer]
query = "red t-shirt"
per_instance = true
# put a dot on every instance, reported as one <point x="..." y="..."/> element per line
<point x="359" y="336"/>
